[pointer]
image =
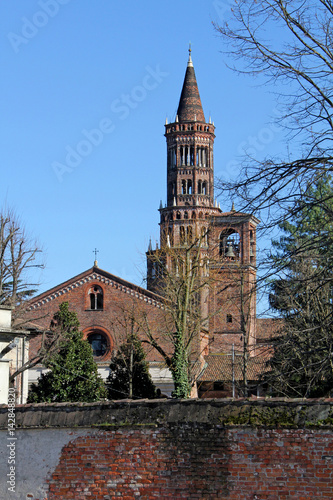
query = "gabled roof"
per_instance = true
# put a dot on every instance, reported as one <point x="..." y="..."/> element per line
<point x="190" y="107"/>
<point x="95" y="273"/>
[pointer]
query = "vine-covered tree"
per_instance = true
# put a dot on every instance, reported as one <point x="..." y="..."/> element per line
<point x="182" y="278"/>
<point x="129" y="372"/>
<point x="302" y="364"/>
<point x="73" y="374"/>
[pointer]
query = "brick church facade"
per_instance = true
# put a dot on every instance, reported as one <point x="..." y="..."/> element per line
<point x="227" y="254"/>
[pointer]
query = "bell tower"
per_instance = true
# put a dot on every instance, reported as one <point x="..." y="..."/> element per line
<point x="190" y="173"/>
<point x="190" y="168"/>
<point x="191" y="216"/>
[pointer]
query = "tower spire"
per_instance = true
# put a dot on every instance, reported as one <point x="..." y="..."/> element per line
<point x="190" y="107"/>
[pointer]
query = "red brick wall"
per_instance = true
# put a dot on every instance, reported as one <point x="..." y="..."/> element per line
<point x="275" y="450"/>
<point x="190" y="461"/>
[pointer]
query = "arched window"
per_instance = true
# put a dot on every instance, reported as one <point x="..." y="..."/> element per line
<point x="177" y="266"/>
<point x="96" y="297"/>
<point x="191" y="155"/>
<point x="189" y="234"/>
<point x="204" y="235"/>
<point x="169" y="240"/>
<point x="181" y="268"/>
<point x="182" y="155"/>
<point x="182" y="235"/>
<point x="230" y="244"/>
<point x="178" y="216"/>
<point x="185" y="215"/>
<point x="206" y="267"/>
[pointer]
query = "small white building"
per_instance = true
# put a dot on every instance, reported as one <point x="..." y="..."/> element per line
<point x="14" y="352"/>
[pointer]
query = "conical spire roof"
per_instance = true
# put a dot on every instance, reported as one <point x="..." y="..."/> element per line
<point x="190" y="107"/>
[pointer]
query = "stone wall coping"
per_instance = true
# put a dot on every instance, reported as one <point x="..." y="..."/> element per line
<point x="253" y="412"/>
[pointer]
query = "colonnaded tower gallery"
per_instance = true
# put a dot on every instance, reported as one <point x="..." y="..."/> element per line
<point x="190" y="215"/>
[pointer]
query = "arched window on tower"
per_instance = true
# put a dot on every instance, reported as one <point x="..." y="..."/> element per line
<point x="189" y="235"/>
<point x="96" y="298"/>
<point x="203" y="157"/>
<point x="182" y="235"/>
<point x="181" y="267"/>
<point x="199" y="187"/>
<point x="204" y="235"/>
<point x="191" y="155"/>
<point x="204" y="187"/>
<point x="230" y="244"/>
<point x="205" y="267"/>
<point x="182" y="155"/>
<point x="170" y="237"/>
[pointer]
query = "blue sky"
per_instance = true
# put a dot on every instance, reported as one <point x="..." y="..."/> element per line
<point x="85" y="90"/>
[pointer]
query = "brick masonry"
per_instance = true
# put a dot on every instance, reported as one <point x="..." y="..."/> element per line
<point x="200" y="449"/>
<point x="120" y="298"/>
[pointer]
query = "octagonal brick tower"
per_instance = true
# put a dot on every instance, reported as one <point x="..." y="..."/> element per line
<point x="190" y="171"/>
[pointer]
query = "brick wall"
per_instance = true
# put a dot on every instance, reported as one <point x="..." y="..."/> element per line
<point x="215" y="449"/>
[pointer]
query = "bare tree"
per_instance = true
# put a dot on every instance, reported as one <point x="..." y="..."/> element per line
<point x="49" y="341"/>
<point x="129" y="371"/>
<point x="290" y="43"/>
<point x="18" y="256"/>
<point x="183" y="279"/>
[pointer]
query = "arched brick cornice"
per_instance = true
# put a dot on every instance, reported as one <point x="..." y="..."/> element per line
<point x="104" y="278"/>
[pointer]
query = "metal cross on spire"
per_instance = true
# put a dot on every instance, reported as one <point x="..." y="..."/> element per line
<point x="189" y="55"/>
<point x="95" y="252"/>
